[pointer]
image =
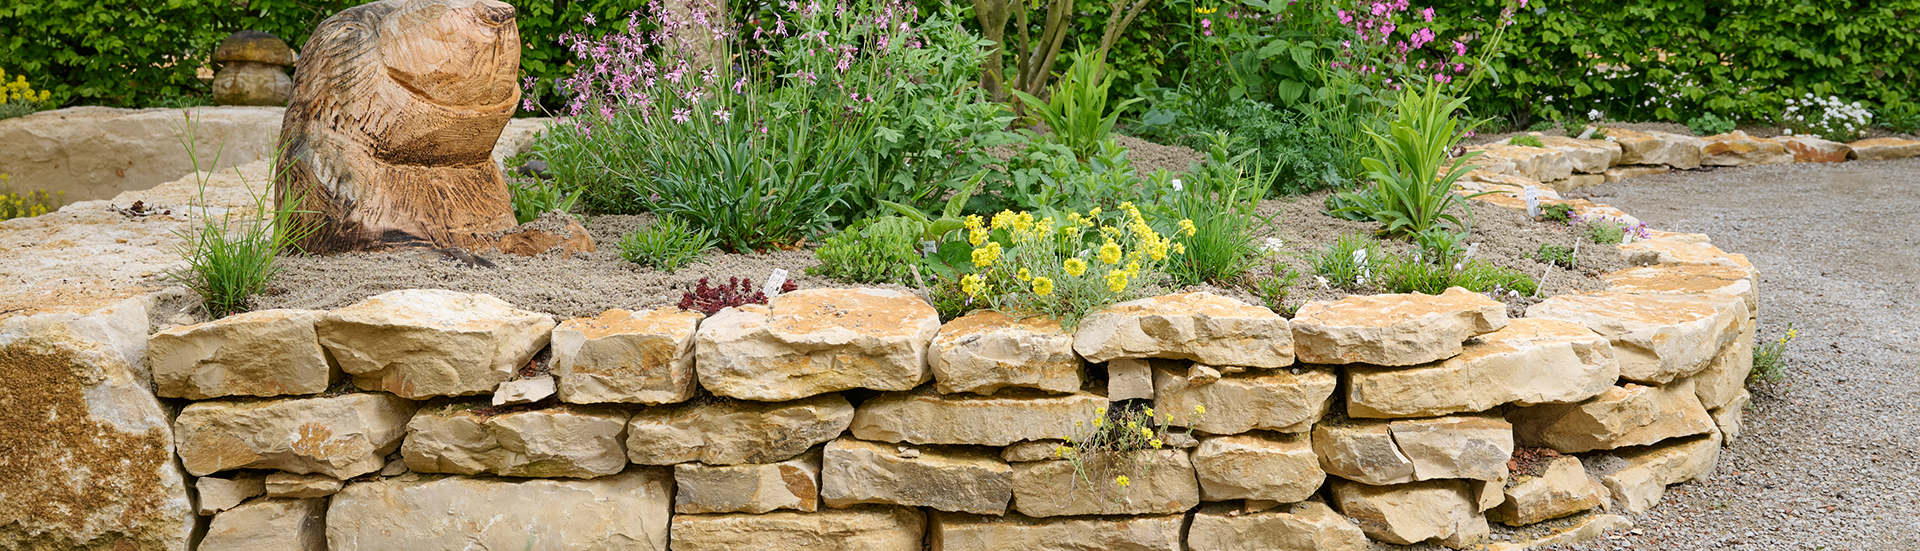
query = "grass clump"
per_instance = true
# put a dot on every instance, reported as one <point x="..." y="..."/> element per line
<point x="234" y="258"/>
<point x="1402" y="274"/>
<point x="1274" y="290"/>
<point x="1349" y="262"/>
<point x="1556" y="255"/>
<point x="532" y="198"/>
<point x="1769" y="359"/>
<point x="1527" y="140"/>
<point x="667" y="245"/>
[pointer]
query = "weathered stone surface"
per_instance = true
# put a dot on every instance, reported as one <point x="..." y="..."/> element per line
<point x="1488" y="493"/>
<point x="1638" y="477"/>
<point x="1564" y="489"/>
<point x="421" y="343"/>
<point x="1726" y="376"/>
<point x="301" y="486"/>
<point x="1033" y="450"/>
<point x="1657" y="148"/>
<point x="220" y="494"/>
<point x="868" y="528"/>
<point x="1673" y="279"/>
<point x="969" y="532"/>
<point x="1471" y="447"/>
<point x="922" y="417"/>
<point x="1586" y="156"/>
<point x="252" y="70"/>
<point x="986" y="351"/>
<point x="95" y="153"/>
<point x="1736" y="148"/>
<point x="1305" y="526"/>
<point x="339" y="436"/>
<point x="523" y="391"/>
<point x="270" y="525"/>
<point x="1277" y="400"/>
<point x="1623" y="172"/>
<point x="1577" y="181"/>
<point x="1434" y="510"/>
<point x="1203" y="327"/>
<point x="817" y="341"/>
<point x="1656" y="338"/>
<point x="1506" y="185"/>
<point x="1530" y="361"/>
<point x="1810" y="149"/>
<point x="1129" y="380"/>
<point x="565" y="441"/>
<point x="428" y="513"/>
<point x="622" y="356"/>
<point x="1679" y="249"/>
<point x="1537" y="163"/>
<point x="1727" y="417"/>
<point x="1280" y="468"/>
<point x="791" y="484"/>
<point x="1590" y="527"/>
<point x="264" y="353"/>
<point x="1877" y="149"/>
<point x="855" y="472"/>
<point x="1158" y="482"/>
<point x="1361" y="451"/>
<point x="1393" y="329"/>
<point x="1632" y="415"/>
<point x="729" y="432"/>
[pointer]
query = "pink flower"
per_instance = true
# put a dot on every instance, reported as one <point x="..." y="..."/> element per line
<point x="1345" y="18"/>
<point x="1427" y="14"/>
<point x="1423" y="65"/>
<point x="1206" y="27"/>
<point x="591" y="21"/>
<point x="1523" y="3"/>
<point x="1442" y="78"/>
<point x="1459" y="67"/>
<point x="1379" y="9"/>
<point x="1459" y="48"/>
<point x="682" y="115"/>
<point x="722" y="114"/>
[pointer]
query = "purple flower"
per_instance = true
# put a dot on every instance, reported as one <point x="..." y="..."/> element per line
<point x="591" y="21"/>
<point x="682" y="115"/>
<point x="1459" y="48"/>
<point x="1442" y="78"/>
<point x="1427" y="14"/>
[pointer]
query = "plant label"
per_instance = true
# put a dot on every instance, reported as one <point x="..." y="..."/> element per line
<point x="1588" y="133"/>
<point x="928" y="248"/>
<point x="774" y="281"/>
<point x="1473" y="248"/>
<point x="1533" y="202"/>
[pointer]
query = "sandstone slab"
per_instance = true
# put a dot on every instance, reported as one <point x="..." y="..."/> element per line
<point x="817" y="341"/>
<point x="340" y="436"/>
<point x="264" y="353"/>
<point x="1727" y="417"/>
<point x="91" y="153"/>
<point x="1537" y="163"/>
<point x="1393" y="329"/>
<point x="1129" y="380"/>
<point x="630" y="357"/>
<point x="857" y="472"/>
<point x="1435" y="510"/>
<point x="1304" y="526"/>
<point x="868" y="528"/>
<point x="1726" y="375"/>
<point x="1677" y="279"/>
<point x="1361" y="451"/>
<point x="1564" y="489"/>
<point x="1530" y="361"/>
<point x="421" y="343"/>
<point x="1280" y="468"/>
<point x="1203" y="327"/>
<point x="1679" y="249"/>
<point x="1657" y="148"/>
<point x="1469" y="447"/>
<point x="567" y="441"/>
<point x="1632" y="415"/>
<point x="1506" y="185"/>
<point x="986" y="351"/>
<point x="1656" y="338"/>
<point x="1812" y="149"/>
<point x="1157" y="482"/>
<point x="1879" y="149"/>
<point x="301" y="486"/>
<point x="921" y="417"/>
<point x="792" y="484"/>
<point x="1586" y="528"/>
<point x="1277" y="400"/>
<point x="970" y="532"/>
<point x="1736" y="148"/>
<point x="1624" y="172"/>
<point x="1586" y="156"/>
<point x="220" y="494"/>
<point x="1638" y="477"/>
<point x="523" y="391"/>
<point x="270" y="525"/>
<point x="629" y="510"/>
<point x="735" y="432"/>
<point x="1577" y="181"/>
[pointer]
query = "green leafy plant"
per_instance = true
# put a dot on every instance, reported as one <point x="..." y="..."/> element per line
<point x="1076" y="113"/>
<point x="533" y="197"/>
<point x="873" y="250"/>
<point x="1708" y="124"/>
<point x="1046" y="177"/>
<point x="1769" y="359"/>
<point x="1349" y="262"/>
<point x="1274" y="290"/>
<point x="235" y="258"/>
<point x="1604" y="232"/>
<point x="1556" y="212"/>
<point x="1528" y="140"/>
<point x="1403" y="274"/>
<point x="1222" y="203"/>
<point x="1556" y="255"/>
<point x="1827" y="117"/>
<point x="1902" y="117"/>
<point x="1413" y="185"/>
<point x="1068" y="268"/>
<point x="667" y="245"/>
<point x="1117" y="443"/>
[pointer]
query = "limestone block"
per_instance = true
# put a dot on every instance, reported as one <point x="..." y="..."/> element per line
<point x="969" y="532"/>
<point x="220" y="494"/>
<point x="1727" y="417"/>
<point x="868" y="528"/>
<point x="1586" y="156"/>
<point x="986" y="351"/>
<point x="430" y="513"/>
<point x="1586" y="528"/>
<point x="1736" y="148"/>
<point x="1675" y="279"/>
<point x="1361" y="451"/>
<point x="339" y="436"/>
<point x="1657" y="148"/>
<point x="1537" y="163"/>
<point x="1623" y="172"/>
<point x="1577" y="181"/>
<point x="523" y="391"/>
<point x="1505" y="185"/>
<point x="1129" y="380"/>
<point x="1812" y="149"/>
<point x="1305" y="526"/>
<point x="858" y="472"/>
<point x="1680" y="249"/>
<point x="734" y="432"/>
<point x="1405" y="514"/>
<point x="817" y="341"/>
<point x="264" y="353"/>
<point x="1280" y="468"/>
<point x="1878" y="149"/>
<point x="1656" y="338"/>
<point x="1530" y="361"/>
<point x="421" y="343"/>
<point x="1726" y="376"/>
<point x="301" y="486"/>
<point x="1638" y="477"/>
<point x="1470" y="447"/>
<point x="270" y="525"/>
<point x="1488" y="493"/>
<point x="1157" y="482"/>
<point x="1277" y="400"/>
<point x="760" y="488"/>
<point x="1034" y="450"/>
<point x="630" y="357"/>
<point x="1564" y="489"/>
<point x="566" y="441"/>
<point x="922" y="417"/>
<point x="1393" y="329"/>
<point x="1203" y="327"/>
<point x="1632" y="415"/>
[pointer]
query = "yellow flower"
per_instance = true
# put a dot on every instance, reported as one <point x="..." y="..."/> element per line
<point x="985" y="256"/>
<point x="1003" y="220"/>
<point x="1023" y="275"/>
<point x="1178" y="248"/>
<point x="1146" y="432"/>
<point x="1122" y="480"/>
<point x="1117" y="281"/>
<point x="1110" y="253"/>
<point x="1094" y="212"/>
<point x="1155" y="443"/>
<point x="1133" y="269"/>
<point x="1132" y="425"/>
<point x="1202" y="410"/>
<point x="976" y="236"/>
<point x="1042" y="286"/>
<point x="1075" y="267"/>
<point x="1099" y="421"/>
<point x="972" y="285"/>
<point x="1187" y="227"/>
<point x="1149" y="412"/>
<point x="1061" y="451"/>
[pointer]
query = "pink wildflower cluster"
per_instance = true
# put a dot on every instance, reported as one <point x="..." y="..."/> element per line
<point x="1386" y="50"/>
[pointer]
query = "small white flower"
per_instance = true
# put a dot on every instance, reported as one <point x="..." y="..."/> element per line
<point x="1514" y="294"/>
<point x="1788" y="131"/>
<point x="1273" y="245"/>
<point x="1176" y="184"/>
<point x="1323" y="281"/>
<point x="1594" y="114"/>
<point x="1360" y="256"/>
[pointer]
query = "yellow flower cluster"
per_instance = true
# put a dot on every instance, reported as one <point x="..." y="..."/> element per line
<point x="26" y="205"/>
<point x="1037" y="266"/>
<point x="19" y="90"/>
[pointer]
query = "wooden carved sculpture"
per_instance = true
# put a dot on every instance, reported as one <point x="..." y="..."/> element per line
<point x="387" y="140"/>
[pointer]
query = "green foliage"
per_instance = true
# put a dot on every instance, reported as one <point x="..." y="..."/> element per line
<point x="1274" y="290"/>
<point x="1117" y="443"/>
<point x="1903" y="118"/>
<point x="1045" y="176"/>
<point x="1556" y="212"/>
<point x="1708" y="124"/>
<point x="1528" y="140"/>
<point x="234" y="258"/>
<point x="1411" y="194"/>
<point x="1402" y="274"/>
<point x="1828" y="117"/>
<point x="1302" y="157"/>
<point x="1605" y="232"/>
<point x="1556" y="255"/>
<point x="1221" y="201"/>
<point x="1769" y="359"/>
<point x="1076" y="113"/>
<point x="533" y="197"/>
<point x="873" y="250"/>
<point x="666" y="245"/>
<point x="1271" y="51"/>
<point x="948" y="299"/>
<point x="1350" y="262"/>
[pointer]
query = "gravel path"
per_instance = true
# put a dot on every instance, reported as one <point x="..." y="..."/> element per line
<point x="1830" y="458"/>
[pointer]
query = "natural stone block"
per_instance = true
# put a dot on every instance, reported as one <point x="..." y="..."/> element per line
<point x="1727" y="417"/>
<point x="867" y="528"/>
<point x="1632" y="415"/>
<point x="1277" y="400"/>
<point x="1393" y="329"/>
<point x="1361" y="451"/>
<point x="629" y="510"/>
<point x="301" y="486"/>
<point x="1203" y="327"/>
<point x="1584" y="529"/>
<point x="1469" y="447"/>
<point x="1157" y="482"/>
<point x="523" y="391"/>
<point x="858" y="472"/>
<point x="986" y="351"/>
<point x="817" y="341"/>
<point x="421" y="343"/>
<point x="1812" y="149"/>
<point x="1619" y="173"/>
<point x="1305" y="526"/>
<point x="1656" y="338"/>
<point x="220" y="494"/>
<point x="1674" y="279"/>
<point x="970" y="532"/>
<point x="1530" y="361"/>
<point x="630" y="357"/>
<point x="791" y="484"/>
<point x="1577" y="181"/>
<point x="1638" y="477"/>
<point x="1736" y="148"/>
<point x="1129" y="380"/>
<point x="270" y="525"/>
<point x="566" y="441"/>
<point x="1537" y="163"/>
<point x="1562" y="490"/>
<point x="1033" y="450"/>
<point x="1657" y="148"/>
<point x="922" y="417"/>
<point x="264" y="353"/>
<point x="339" y="436"/>
<point x="1280" y="468"/>
<point x="1726" y="375"/>
<point x="734" y="432"/>
<point x="1585" y="156"/>
<point x="1679" y="249"/>
<point x="1878" y="149"/>
<point x="1488" y="493"/>
<point x="1434" y="510"/>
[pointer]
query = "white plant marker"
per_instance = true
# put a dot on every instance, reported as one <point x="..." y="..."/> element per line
<point x="928" y="248"/>
<point x="1533" y="201"/>
<point x="774" y="281"/>
<point x="1588" y="133"/>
